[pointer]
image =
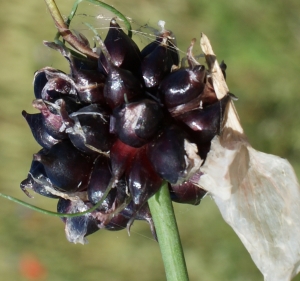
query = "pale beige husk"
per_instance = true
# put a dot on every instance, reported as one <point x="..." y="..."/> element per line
<point x="257" y="194"/>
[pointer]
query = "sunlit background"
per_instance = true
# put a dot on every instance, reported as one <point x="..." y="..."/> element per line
<point x="260" y="43"/>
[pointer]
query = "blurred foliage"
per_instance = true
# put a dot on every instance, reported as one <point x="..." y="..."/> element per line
<point x="259" y="41"/>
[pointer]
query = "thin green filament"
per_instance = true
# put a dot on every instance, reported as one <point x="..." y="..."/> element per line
<point x="55" y="214"/>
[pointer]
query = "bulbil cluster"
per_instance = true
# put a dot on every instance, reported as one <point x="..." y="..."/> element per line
<point x="128" y="121"/>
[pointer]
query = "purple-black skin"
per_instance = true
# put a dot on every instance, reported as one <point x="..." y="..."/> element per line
<point x="66" y="167"/>
<point x="99" y="180"/>
<point x="39" y="132"/>
<point x="167" y="154"/>
<point x="52" y="121"/>
<point x="186" y="193"/>
<point x="205" y="122"/>
<point x="90" y="87"/>
<point x="121" y="86"/>
<point x="121" y="157"/>
<point x="118" y="222"/>
<point x="143" y="181"/>
<point x="156" y="66"/>
<point x="182" y="86"/>
<point x="138" y="122"/>
<point x="88" y="129"/>
<point x="123" y="51"/>
<point x="37" y="180"/>
<point x="39" y="83"/>
<point x="81" y="225"/>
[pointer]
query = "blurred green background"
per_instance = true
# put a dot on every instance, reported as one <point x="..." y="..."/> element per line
<point x="259" y="41"/>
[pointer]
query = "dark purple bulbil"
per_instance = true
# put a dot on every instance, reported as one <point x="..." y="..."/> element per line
<point x="138" y="122"/>
<point x="129" y="120"/>
<point x="67" y="168"/>
<point x="205" y="122"/>
<point x="123" y="50"/>
<point x="167" y="154"/>
<point x="157" y="65"/>
<point x="186" y="192"/>
<point x="182" y="86"/>
<point x="38" y="129"/>
<point x="38" y="181"/>
<point x="99" y="180"/>
<point x="143" y="181"/>
<point x="77" y="228"/>
<point x="88" y="128"/>
<point x="121" y="86"/>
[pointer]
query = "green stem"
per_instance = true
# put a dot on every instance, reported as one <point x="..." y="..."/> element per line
<point x="167" y="233"/>
<point x="65" y="32"/>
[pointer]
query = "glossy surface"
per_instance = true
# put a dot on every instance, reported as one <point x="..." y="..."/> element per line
<point x="39" y="132"/>
<point x="99" y="180"/>
<point x="121" y="86"/>
<point x="88" y="129"/>
<point x="143" y="181"/>
<point x="137" y="123"/>
<point x="53" y="123"/>
<point x="156" y="65"/>
<point x="37" y="181"/>
<point x="167" y="154"/>
<point x="186" y="193"/>
<point x="182" y="85"/>
<point x="205" y="122"/>
<point x="122" y="49"/>
<point x="66" y="167"/>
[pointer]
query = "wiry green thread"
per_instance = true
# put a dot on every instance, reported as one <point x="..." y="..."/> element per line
<point x="105" y="6"/>
<point x="55" y="214"/>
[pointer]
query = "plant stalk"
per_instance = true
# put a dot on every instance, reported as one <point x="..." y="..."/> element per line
<point x="66" y="33"/>
<point x="168" y="236"/>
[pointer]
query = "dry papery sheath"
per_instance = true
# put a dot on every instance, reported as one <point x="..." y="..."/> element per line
<point x="257" y="193"/>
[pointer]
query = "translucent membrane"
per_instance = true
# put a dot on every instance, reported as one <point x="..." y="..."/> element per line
<point x="257" y="193"/>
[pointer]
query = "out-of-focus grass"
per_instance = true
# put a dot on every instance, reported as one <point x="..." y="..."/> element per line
<point x="259" y="41"/>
